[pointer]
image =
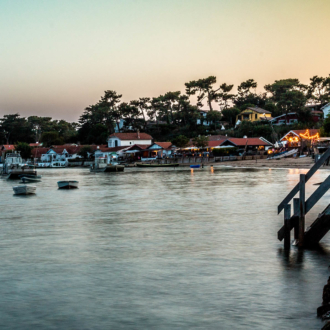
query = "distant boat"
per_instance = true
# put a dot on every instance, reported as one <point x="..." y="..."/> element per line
<point x="195" y="166"/>
<point x="101" y="165"/>
<point x="157" y="165"/>
<point x="67" y="184"/>
<point x="26" y="179"/>
<point x="24" y="190"/>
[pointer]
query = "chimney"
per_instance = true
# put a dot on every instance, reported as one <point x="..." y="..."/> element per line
<point x="138" y="134"/>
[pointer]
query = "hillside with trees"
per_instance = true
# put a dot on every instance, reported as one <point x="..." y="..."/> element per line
<point x="174" y="116"/>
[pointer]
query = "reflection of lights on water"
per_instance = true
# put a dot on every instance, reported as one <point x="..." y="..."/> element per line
<point x="192" y="171"/>
<point x="212" y="169"/>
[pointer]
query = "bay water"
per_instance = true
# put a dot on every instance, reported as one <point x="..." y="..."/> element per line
<point x="157" y="249"/>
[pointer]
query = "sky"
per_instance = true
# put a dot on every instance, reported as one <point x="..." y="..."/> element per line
<point x="58" y="57"/>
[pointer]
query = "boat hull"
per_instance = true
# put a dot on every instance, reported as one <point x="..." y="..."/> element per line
<point x="17" y="174"/>
<point x="195" y="166"/>
<point x="114" y="168"/>
<point x="29" y="179"/>
<point x="67" y="184"/>
<point x="24" y="190"/>
<point x="158" y="165"/>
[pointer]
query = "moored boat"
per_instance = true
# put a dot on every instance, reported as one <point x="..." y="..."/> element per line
<point x="102" y="165"/>
<point x="27" y="179"/>
<point x="195" y="166"/>
<point x="157" y="165"/>
<point x="67" y="184"/>
<point x="24" y="190"/>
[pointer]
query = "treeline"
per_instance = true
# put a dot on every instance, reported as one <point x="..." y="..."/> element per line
<point x="14" y="129"/>
<point x="173" y="113"/>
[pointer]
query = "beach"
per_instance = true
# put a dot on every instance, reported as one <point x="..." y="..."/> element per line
<point x="301" y="163"/>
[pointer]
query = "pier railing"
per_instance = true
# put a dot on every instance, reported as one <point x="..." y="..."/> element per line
<point x="301" y="207"/>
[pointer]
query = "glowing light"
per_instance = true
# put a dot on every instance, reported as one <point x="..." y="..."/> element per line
<point x="307" y="136"/>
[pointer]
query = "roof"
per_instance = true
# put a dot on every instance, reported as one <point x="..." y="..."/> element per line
<point x="216" y="143"/>
<point x="312" y="105"/>
<point x="326" y="105"/>
<point x="114" y="149"/>
<point x="139" y="146"/>
<point x="248" y="141"/>
<point x="316" y="111"/>
<point x="34" y="145"/>
<point x="289" y="114"/>
<point x="131" y="136"/>
<point x="37" y="152"/>
<point x="8" y="147"/>
<point x="259" y="110"/>
<point x="163" y="145"/>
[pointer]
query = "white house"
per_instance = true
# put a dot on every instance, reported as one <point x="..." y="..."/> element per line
<point x="326" y="109"/>
<point x="203" y="114"/>
<point x="128" y="139"/>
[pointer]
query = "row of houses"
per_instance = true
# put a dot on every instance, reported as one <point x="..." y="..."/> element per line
<point x="141" y="145"/>
<point x="253" y="114"/>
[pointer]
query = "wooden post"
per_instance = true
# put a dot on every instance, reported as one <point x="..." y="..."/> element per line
<point x="287" y="216"/>
<point x="302" y="209"/>
<point x="296" y="212"/>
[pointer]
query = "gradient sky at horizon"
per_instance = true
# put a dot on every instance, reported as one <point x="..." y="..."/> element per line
<point x="57" y="57"/>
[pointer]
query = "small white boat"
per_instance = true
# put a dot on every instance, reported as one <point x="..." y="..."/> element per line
<point x="26" y="179"/>
<point x="24" y="190"/>
<point x="67" y="184"/>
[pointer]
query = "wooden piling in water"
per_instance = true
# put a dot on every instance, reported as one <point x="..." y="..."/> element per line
<point x="287" y="216"/>
<point x="302" y="209"/>
<point x="296" y="212"/>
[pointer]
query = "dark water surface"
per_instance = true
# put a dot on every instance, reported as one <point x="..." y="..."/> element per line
<point x="157" y="249"/>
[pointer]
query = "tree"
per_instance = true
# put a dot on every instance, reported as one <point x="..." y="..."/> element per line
<point x="143" y="105"/>
<point x="24" y="149"/>
<point x="180" y="141"/>
<point x="204" y="88"/>
<point x="201" y="141"/>
<point x="103" y="116"/>
<point x="213" y="117"/>
<point x="288" y="95"/>
<point x="84" y="151"/>
<point x="51" y="138"/>
<point x="247" y="95"/>
<point x="229" y="115"/>
<point x="224" y="97"/>
<point x="319" y="90"/>
<point x="14" y="128"/>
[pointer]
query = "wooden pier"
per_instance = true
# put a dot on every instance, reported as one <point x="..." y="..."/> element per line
<point x="301" y="207"/>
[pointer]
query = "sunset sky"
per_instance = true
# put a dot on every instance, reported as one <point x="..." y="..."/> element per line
<point x="57" y="57"/>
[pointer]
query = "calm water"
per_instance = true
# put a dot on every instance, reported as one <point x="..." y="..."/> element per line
<point x="156" y="249"/>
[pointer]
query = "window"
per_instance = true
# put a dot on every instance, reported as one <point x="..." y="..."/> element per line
<point x="256" y="116"/>
<point x="110" y="143"/>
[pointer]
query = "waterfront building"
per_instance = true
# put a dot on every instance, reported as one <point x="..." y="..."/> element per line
<point x="296" y="138"/>
<point x="128" y="139"/>
<point x="5" y="148"/>
<point x="161" y="149"/>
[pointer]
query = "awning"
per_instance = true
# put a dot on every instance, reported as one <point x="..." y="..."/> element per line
<point x="132" y="151"/>
<point x="220" y="147"/>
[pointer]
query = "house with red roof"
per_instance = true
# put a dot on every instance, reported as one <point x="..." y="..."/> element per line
<point x="35" y="145"/>
<point x="5" y="148"/>
<point x="251" y="145"/>
<point x="161" y="149"/>
<point x="128" y="139"/>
